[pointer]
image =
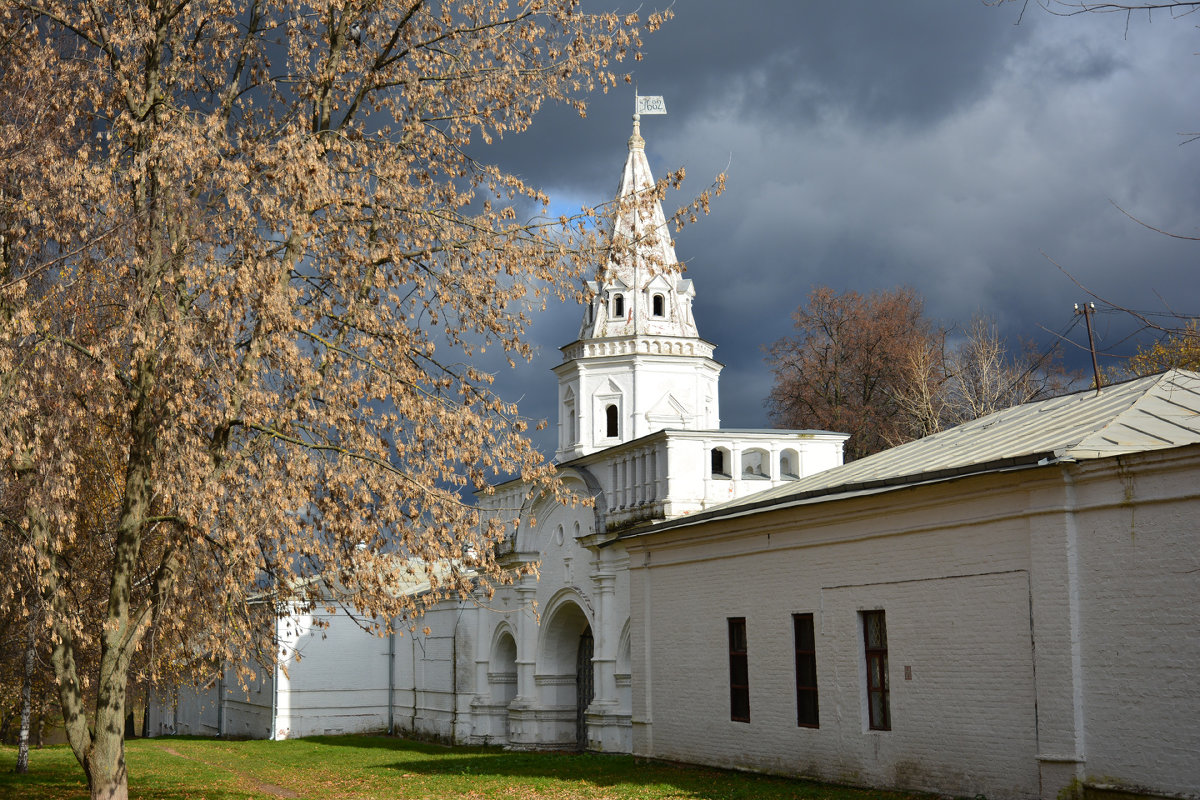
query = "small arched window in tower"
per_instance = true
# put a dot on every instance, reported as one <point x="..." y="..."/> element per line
<point x="612" y="430"/>
<point x="569" y="421"/>
<point x="618" y="306"/>
<point x="658" y="305"/>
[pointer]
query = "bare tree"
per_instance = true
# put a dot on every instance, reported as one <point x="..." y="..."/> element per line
<point x="923" y="398"/>
<point x="846" y="365"/>
<point x="875" y="367"/>
<point x="1069" y="8"/>
<point x="977" y="376"/>
<point x="987" y="378"/>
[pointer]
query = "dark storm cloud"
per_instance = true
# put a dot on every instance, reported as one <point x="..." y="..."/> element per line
<point x="871" y="145"/>
<point x="784" y="63"/>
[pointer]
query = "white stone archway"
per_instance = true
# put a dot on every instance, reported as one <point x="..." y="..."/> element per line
<point x="564" y="674"/>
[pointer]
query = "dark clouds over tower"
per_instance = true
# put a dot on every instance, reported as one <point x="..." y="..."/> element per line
<point x="938" y="145"/>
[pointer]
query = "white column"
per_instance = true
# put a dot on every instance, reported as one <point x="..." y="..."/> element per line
<point x="639" y="478"/>
<point x="1054" y="594"/>
<point x="527" y="631"/>
<point x="483" y="655"/>
<point x="604" y="657"/>
<point x="625" y="496"/>
<point x="660" y="486"/>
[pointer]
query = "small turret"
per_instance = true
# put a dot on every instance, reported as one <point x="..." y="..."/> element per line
<point x="641" y="289"/>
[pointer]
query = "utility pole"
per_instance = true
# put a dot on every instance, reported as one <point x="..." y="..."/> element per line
<point x="1087" y="309"/>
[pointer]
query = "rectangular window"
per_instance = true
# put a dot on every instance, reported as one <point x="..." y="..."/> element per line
<point x="806" y="671"/>
<point x="875" y="641"/>
<point x="739" y="671"/>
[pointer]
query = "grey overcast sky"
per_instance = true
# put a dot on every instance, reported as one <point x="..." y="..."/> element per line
<point x="936" y="144"/>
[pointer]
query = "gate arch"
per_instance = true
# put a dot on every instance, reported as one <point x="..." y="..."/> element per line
<point x="565" y="673"/>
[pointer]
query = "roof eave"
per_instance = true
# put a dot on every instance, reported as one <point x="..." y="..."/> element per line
<point x="834" y="493"/>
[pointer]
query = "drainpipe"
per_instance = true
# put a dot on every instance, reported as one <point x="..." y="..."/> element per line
<point x="391" y="704"/>
<point x="273" y="734"/>
<point x="221" y="703"/>
<point x="412" y="724"/>
<point x="454" y="678"/>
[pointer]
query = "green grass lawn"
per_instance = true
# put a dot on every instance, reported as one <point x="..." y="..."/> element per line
<point x="337" y="767"/>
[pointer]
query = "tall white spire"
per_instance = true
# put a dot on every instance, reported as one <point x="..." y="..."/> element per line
<point x="641" y="289"/>
<point x="639" y="364"/>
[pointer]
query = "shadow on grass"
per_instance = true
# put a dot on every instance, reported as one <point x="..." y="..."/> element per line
<point x="599" y="770"/>
<point x="387" y="767"/>
<point x="384" y="742"/>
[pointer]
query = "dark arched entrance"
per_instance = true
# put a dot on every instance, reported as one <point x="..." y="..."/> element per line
<point x="585" y="685"/>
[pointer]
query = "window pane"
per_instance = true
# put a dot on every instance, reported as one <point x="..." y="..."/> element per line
<point x="804" y="632"/>
<point x="739" y="671"/>
<point x="806" y="670"/>
<point x="876" y="708"/>
<point x="739" y="704"/>
<point x="737" y="635"/>
<point x="806" y="708"/>
<point x="875" y="640"/>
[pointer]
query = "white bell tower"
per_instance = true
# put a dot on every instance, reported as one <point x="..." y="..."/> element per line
<point x="639" y="364"/>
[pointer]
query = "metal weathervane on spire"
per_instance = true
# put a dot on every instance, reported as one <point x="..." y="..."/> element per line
<point x="644" y="104"/>
<point x="648" y="104"/>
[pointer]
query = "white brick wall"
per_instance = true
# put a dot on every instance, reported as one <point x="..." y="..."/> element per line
<point x="1140" y="623"/>
<point x="969" y="573"/>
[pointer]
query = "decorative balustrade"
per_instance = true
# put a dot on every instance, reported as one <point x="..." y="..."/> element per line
<point x="629" y="345"/>
<point x="637" y="485"/>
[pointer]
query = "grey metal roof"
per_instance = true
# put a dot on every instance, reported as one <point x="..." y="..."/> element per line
<point x="1150" y="413"/>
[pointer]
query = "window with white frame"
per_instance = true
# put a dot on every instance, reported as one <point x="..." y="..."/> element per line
<point x="739" y="671"/>
<point x="875" y="649"/>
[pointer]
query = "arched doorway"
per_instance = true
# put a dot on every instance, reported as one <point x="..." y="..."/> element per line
<point x="564" y="674"/>
<point x="502" y="683"/>
<point x="585" y="686"/>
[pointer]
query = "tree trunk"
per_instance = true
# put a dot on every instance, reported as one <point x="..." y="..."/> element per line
<point x="105" y="756"/>
<point x="26" y="703"/>
<point x="107" y="778"/>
